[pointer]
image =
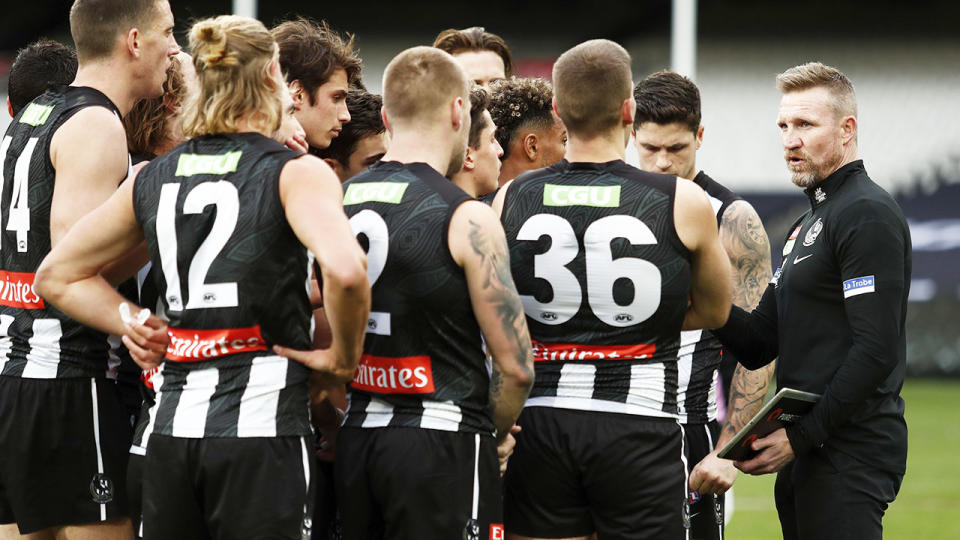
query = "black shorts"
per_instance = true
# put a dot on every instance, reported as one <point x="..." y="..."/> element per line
<point x="227" y="488"/>
<point x="63" y="452"/>
<point x="706" y="514"/>
<point x="578" y="472"/>
<point x="410" y="483"/>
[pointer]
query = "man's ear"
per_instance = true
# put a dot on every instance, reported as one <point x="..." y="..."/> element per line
<point x="699" y="136"/>
<point x="848" y="129"/>
<point x="529" y="146"/>
<point x="298" y="93"/>
<point x="10" y="107"/>
<point x="469" y="162"/>
<point x="386" y="121"/>
<point x="132" y="42"/>
<point x="627" y="109"/>
<point x="456" y="112"/>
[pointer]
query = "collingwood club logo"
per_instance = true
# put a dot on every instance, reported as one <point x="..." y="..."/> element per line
<point x="813" y="233"/>
<point x="101" y="488"/>
<point x="471" y="531"/>
<point x="819" y="195"/>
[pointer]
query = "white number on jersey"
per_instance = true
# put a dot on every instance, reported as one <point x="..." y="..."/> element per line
<point x="201" y="295"/>
<point x="371" y="224"/>
<point x="19" y="214"/>
<point x="601" y="268"/>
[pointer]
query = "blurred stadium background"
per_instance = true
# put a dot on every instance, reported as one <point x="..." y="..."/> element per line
<point x="904" y="59"/>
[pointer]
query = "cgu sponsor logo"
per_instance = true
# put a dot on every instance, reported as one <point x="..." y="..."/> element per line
<point x="199" y="345"/>
<point x="191" y="164"/>
<point x="548" y="352"/>
<point x="36" y="115"/>
<point x="387" y="192"/>
<point x="16" y="290"/>
<point x="599" y="196"/>
<point x="389" y="375"/>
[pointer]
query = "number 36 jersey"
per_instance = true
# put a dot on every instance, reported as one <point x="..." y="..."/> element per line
<point x="233" y="280"/>
<point x="604" y="281"/>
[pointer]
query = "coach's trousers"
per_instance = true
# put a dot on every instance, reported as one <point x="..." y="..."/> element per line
<point x="828" y="495"/>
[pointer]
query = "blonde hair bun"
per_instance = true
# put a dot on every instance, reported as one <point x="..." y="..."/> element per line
<point x="211" y="49"/>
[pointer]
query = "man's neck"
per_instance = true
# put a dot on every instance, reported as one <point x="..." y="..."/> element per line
<point x="601" y="148"/>
<point x="465" y="181"/>
<point x="513" y="167"/>
<point x="411" y="146"/>
<point x="106" y="77"/>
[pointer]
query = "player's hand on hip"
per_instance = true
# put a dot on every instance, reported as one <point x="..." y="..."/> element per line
<point x="775" y="453"/>
<point x="505" y="448"/>
<point x="713" y="474"/>
<point x="322" y="360"/>
<point x="147" y="342"/>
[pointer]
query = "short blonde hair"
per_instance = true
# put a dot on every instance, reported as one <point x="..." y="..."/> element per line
<point x="590" y="82"/>
<point x="817" y="75"/>
<point x="420" y="81"/>
<point x="232" y="56"/>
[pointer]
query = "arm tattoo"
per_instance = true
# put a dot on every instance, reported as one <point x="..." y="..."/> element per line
<point x="747" y="391"/>
<point x="500" y="289"/>
<point x="746" y="243"/>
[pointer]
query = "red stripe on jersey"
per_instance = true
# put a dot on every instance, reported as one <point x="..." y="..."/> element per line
<point x="16" y="290"/>
<point x="546" y="352"/>
<point x="387" y="375"/>
<point x="198" y="345"/>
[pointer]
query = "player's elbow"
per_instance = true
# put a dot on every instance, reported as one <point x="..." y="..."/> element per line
<point x="350" y="273"/>
<point x="47" y="283"/>
<point x="519" y="373"/>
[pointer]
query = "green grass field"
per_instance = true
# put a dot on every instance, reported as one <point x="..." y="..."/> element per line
<point x="928" y="506"/>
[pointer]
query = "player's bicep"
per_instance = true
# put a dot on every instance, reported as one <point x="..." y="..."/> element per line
<point x="97" y="239"/>
<point x="88" y="168"/>
<point x="312" y="200"/>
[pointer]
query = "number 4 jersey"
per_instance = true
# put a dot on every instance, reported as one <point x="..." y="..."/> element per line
<point x="36" y="339"/>
<point x="233" y="280"/>
<point x="604" y="281"/>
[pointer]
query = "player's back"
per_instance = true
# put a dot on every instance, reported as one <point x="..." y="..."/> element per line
<point x="233" y="280"/>
<point x="605" y="282"/>
<point x="422" y="364"/>
<point x="36" y="339"/>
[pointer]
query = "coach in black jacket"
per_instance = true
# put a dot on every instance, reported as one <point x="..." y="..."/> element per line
<point x="834" y="313"/>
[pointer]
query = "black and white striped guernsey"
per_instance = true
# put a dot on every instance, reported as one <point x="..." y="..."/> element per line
<point x="604" y="280"/>
<point x="423" y="364"/>
<point x="37" y="340"/>
<point x="700" y="351"/>
<point x="233" y="280"/>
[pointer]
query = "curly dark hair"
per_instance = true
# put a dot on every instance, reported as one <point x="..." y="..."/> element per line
<point x="520" y="103"/>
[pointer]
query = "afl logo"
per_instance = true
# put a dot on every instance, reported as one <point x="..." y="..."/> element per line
<point x="372" y="324"/>
<point x="101" y="489"/>
<point x="813" y="233"/>
<point x="548" y="316"/>
<point x="623" y="317"/>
